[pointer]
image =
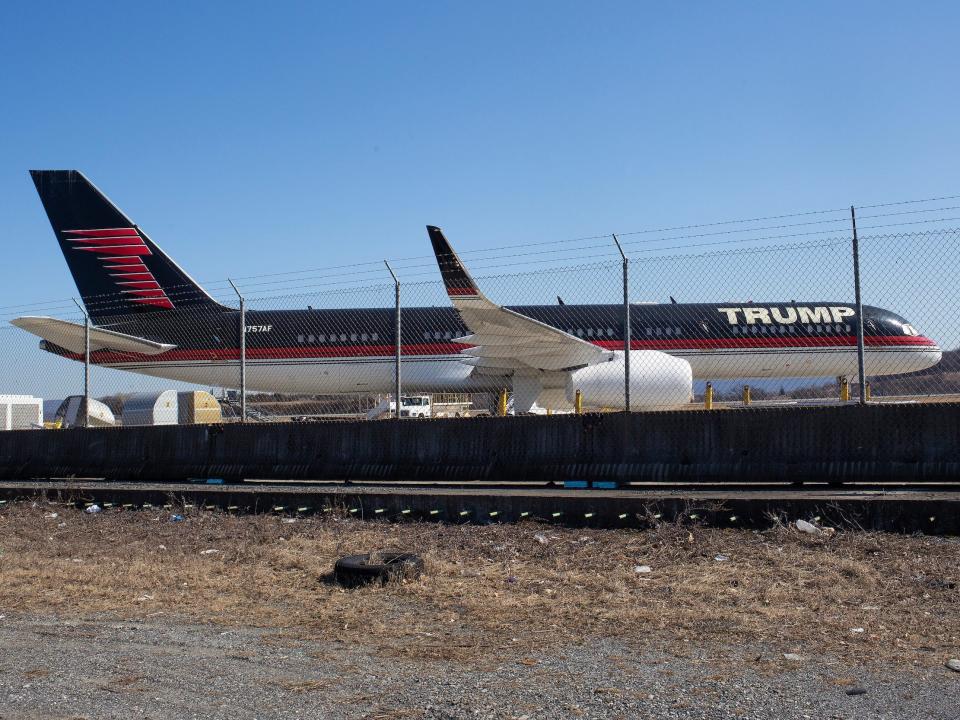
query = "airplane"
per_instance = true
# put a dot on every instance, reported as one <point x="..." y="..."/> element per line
<point x="149" y="316"/>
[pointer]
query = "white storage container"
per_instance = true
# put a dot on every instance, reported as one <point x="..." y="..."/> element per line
<point x="157" y="408"/>
<point x="20" y="412"/>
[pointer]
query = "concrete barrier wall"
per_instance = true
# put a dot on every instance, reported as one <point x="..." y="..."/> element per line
<point x="873" y="443"/>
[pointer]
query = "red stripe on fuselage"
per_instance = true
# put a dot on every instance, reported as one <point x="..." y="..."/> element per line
<point x="294" y="352"/>
<point x="753" y="341"/>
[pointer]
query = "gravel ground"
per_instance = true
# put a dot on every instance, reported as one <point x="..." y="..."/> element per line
<point x="97" y="668"/>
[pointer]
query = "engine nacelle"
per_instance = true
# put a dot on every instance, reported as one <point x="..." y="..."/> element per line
<point x="657" y="380"/>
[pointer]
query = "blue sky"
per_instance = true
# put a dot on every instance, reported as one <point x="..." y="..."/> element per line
<point x="252" y="138"/>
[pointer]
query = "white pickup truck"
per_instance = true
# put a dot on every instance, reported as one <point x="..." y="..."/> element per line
<point x="412" y="406"/>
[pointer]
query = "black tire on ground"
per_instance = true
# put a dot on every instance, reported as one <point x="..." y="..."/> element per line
<point x="354" y="570"/>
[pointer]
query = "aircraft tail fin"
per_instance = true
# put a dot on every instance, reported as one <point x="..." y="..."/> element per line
<point x="117" y="268"/>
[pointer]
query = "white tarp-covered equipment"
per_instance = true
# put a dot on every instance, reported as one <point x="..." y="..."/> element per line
<point x="70" y="413"/>
<point x="151" y="408"/>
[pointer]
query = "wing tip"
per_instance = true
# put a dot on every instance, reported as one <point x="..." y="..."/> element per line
<point x="456" y="279"/>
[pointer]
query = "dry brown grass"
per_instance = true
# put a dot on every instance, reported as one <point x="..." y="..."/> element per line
<point x="492" y="592"/>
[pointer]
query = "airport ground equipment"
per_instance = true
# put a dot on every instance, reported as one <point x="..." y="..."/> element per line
<point x="198" y="407"/>
<point x="151" y="408"/>
<point x="411" y="406"/>
<point x="72" y="414"/>
<point x="20" y="412"/>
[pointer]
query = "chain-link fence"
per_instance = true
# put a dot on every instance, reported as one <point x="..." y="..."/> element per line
<point x="708" y="328"/>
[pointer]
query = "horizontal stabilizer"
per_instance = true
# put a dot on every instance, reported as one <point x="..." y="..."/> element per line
<point x="69" y="336"/>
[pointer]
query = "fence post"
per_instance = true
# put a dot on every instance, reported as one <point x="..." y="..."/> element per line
<point x="859" y="302"/>
<point x="243" y="353"/>
<point x="86" y="364"/>
<point x="626" y="326"/>
<point x="397" y="346"/>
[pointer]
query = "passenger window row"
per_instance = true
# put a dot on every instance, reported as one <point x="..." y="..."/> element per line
<point x="788" y="329"/>
<point x="334" y="337"/>
<point x="590" y="332"/>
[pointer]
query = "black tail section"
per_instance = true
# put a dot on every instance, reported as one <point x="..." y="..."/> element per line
<point x="117" y="268"/>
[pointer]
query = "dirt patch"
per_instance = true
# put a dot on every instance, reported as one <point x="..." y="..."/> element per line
<point x="488" y="592"/>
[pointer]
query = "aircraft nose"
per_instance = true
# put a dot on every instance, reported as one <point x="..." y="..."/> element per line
<point x="933" y="354"/>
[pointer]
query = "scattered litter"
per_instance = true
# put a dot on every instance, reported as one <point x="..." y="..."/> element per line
<point x="952" y="664"/>
<point x="512" y="579"/>
<point x="721" y="558"/>
<point x="856" y="630"/>
<point x="60" y="525"/>
<point x="289" y="520"/>
<point x="92" y="509"/>
<point x="793" y="657"/>
<point x="856" y="691"/>
<point x="542" y="539"/>
<point x="51" y="515"/>
<point x="209" y="551"/>
<point x="176" y="518"/>
<point x="144" y="598"/>
<point x="161" y="547"/>
<point x="809" y="528"/>
<point x="379" y="566"/>
<point x="642" y="569"/>
<point x="937" y="583"/>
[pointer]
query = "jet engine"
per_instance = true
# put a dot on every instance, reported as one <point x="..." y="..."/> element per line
<point x="657" y="380"/>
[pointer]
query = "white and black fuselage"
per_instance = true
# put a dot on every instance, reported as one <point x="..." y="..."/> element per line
<point x="337" y="351"/>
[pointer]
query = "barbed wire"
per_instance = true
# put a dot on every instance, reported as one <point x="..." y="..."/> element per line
<point x="367" y="270"/>
<point x="331" y="288"/>
<point x="119" y="303"/>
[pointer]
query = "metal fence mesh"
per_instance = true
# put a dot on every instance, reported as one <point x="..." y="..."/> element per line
<point x="320" y="345"/>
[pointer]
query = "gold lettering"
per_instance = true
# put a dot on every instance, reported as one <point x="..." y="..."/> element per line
<point x="814" y="315"/>
<point x="731" y="314"/>
<point x="790" y="317"/>
<point x="839" y="313"/>
<point x="752" y="315"/>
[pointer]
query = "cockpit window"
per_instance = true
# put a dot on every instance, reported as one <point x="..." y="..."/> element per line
<point x="909" y="329"/>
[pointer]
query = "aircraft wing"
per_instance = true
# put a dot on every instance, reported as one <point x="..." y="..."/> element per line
<point x="69" y="336"/>
<point x="502" y="339"/>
